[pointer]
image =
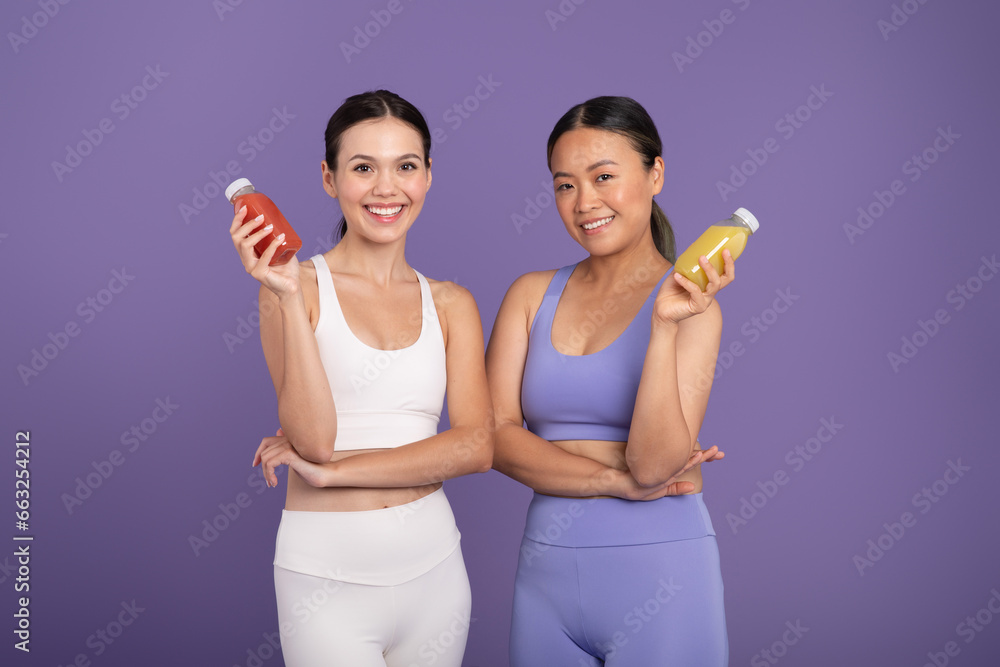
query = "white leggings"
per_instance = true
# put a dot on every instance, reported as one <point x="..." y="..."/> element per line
<point x="424" y="621"/>
<point x="382" y="588"/>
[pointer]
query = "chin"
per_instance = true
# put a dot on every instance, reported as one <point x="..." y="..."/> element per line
<point x="386" y="234"/>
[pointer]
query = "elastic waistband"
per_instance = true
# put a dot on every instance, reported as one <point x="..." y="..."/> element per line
<point x="607" y="522"/>
<point x="383" y="547"/>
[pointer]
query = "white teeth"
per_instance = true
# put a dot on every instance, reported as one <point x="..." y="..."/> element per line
<point x="597" y="223"/>
<point x="385" y="212"/>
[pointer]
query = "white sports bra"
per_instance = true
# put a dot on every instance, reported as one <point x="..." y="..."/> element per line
<point x="384" y="398"/>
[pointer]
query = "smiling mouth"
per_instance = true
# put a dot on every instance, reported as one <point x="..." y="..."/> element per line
<point x="597" y="223"/>
<point x="384" y="211"/>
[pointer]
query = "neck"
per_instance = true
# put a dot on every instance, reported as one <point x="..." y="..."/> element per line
<point x="378" y="263"/>
<point x="638" y="264"/>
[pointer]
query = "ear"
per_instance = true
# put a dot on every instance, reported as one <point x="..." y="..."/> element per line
<point x="328" y="184"/>
<point x="430" y="163"/>
<point x="656" y="173"/>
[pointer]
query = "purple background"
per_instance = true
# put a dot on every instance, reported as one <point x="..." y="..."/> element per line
<point x="164" y="336"/>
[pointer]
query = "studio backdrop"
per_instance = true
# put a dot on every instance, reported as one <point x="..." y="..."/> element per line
<point x="855" y="389"/>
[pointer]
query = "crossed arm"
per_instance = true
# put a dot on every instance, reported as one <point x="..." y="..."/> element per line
<point x="536" y="462"/>
<point x="466" y="447"/>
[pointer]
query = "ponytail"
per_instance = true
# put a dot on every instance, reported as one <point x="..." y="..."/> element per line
<point x="663" y="233"/>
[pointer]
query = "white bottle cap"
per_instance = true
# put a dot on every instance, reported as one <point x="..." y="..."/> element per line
<point x="241" y="183"/>
<point x="743" y="214"/>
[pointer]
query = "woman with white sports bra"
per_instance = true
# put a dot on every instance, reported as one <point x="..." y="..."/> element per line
<point x="362" y="350"/>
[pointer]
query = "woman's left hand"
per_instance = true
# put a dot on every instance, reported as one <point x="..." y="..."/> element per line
<point x="679" y="298"/>
<point x="277" y="451"/>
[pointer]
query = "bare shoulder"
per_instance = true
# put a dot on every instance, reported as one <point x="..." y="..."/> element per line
<point x="522" y="300"/>
<point x="450" y="296"/>
<point x="456" y="310"/>
<point x="529" y="288"/>
<point x="306" y="267"/>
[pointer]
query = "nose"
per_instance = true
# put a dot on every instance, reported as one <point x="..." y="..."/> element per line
<point x="385" y="183"/>
<point x="586" y="198"/>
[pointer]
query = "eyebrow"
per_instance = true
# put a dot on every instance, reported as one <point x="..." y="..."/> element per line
<point x="369" y="158"/>
<point x="599" y="163"/>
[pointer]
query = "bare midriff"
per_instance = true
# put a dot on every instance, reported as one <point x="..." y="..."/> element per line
<point x="302" y="497"/>
<point x="612" y="454"/>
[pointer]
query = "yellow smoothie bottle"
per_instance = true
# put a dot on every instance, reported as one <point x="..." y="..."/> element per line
<point x="731" y="234"/>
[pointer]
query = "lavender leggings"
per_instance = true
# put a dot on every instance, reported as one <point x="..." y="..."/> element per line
<point x="618" y="583"/>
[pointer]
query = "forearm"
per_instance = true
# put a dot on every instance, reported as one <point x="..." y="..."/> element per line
<point x="306" y="409"/>
<point x="546" y="468"/>
<point x="660" y="440"/>
<point x="452" y="453"/>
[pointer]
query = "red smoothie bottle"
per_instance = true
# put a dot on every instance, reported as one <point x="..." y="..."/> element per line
<point x="241" y="192"/>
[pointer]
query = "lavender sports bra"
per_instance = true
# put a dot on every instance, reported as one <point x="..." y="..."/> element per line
<point x="582" y="397"/>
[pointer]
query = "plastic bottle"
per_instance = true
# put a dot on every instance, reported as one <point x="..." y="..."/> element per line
<point x="241" y="192"/>
<point x="731" y="234"/>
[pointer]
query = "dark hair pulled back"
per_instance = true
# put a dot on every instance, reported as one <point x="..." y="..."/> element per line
<point x="624" y="116"/>
<point x="371" y="105"/>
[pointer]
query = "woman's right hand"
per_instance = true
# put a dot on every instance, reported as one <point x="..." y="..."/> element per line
<point x="278" y="450"/>
<point x="283" y="279"/>
<point x="626" y="487"/>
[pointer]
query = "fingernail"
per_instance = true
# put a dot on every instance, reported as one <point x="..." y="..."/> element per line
<point x="269" y="227"/>
<point x="281" y="236"/>
<point x="259" y="217"/>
